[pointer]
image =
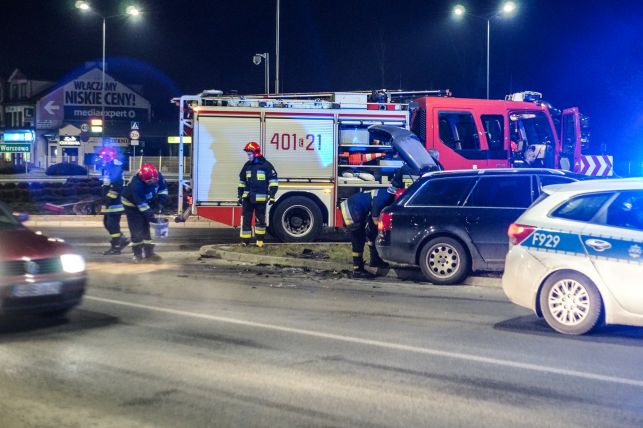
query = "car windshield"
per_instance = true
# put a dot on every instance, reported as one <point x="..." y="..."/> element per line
<point x="7" y="220"/>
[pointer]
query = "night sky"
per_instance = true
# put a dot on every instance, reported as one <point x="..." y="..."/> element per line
<point x="577" y="53"/>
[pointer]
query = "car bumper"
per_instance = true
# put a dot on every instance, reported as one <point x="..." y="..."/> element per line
<point x="522" y="277"/>
<point x="19" y="297"/>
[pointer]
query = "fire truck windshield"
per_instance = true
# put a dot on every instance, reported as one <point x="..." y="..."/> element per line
<point x="532" y="138"/>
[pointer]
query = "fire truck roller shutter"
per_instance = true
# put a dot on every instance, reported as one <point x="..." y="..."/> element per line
<point x="296" y="218"/>
<point x="220" y="156"/>
<point x="301" y="146"/>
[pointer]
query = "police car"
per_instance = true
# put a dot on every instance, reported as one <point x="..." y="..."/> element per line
<point x="576" y="255"/>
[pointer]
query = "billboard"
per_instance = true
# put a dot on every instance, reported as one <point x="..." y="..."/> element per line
<point x="84" y="97"/>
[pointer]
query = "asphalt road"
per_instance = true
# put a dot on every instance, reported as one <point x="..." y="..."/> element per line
<point x="191" y="342"/>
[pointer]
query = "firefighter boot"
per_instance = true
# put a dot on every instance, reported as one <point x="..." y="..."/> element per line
<point x="375" y="259"/>
<point x="150" y="255"/>
<point x="137" y="249"/>
<point x="115" y="247"/>
<point x="123" y="242"/>
<point x="358" y="268"/>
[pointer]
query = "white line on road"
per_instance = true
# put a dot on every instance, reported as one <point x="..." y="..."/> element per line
<point x="380" y="344"/>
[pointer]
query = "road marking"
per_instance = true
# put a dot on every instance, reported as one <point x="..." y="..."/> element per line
<point x="380" y="344"/>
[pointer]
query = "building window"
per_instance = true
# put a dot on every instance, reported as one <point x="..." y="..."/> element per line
<point x="23" y="90"/>
<point x="14" y="91"/>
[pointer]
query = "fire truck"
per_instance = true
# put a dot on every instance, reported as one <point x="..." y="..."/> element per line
<point x="322" y="149"/>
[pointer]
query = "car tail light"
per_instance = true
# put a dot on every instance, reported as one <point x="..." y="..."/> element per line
<point x="519" y="232"/>
<point x="386" y="222"/>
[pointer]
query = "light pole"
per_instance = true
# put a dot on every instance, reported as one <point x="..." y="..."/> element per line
<point x="277" y="52"/>
<point x="133" y="11"/>
<point x="507" y="9"/>
<point x="266" y="74"/>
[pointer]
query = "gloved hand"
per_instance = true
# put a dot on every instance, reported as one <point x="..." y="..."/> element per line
<point x="271" y="201"/>
<point x="240" y="201"/>
<point x="155" y="219"/>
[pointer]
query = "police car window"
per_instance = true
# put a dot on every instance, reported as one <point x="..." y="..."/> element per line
<point x="502" y="192"/>
<point x="442" y="192"/>
<point x="626" y="211"/>
<point x="582" y="208"/>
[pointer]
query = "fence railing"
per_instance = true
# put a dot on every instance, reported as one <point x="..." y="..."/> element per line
<point x="165" y="164"/>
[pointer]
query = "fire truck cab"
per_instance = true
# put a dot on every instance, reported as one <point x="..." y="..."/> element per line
<point x="518" y="131"/>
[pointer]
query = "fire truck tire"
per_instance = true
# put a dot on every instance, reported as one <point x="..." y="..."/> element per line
<point x="296" y="219"/>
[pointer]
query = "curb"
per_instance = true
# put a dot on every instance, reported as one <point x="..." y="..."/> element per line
<point x="73" y="221"/>
<point x="226" y="252"/>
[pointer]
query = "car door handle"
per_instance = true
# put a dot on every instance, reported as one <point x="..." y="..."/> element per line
<point x="598" y="245"/>
<point x="472" y="220"/>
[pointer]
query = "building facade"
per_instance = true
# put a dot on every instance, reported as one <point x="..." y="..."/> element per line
<point x="59" y="118"/>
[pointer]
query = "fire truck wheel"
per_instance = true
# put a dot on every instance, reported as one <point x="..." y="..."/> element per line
<point x="296" y="219"/>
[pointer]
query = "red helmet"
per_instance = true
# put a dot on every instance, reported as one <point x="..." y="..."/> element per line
<point x="253" y="147"/>
<point x="148" y="172"/>
<point x="108" y="154"/>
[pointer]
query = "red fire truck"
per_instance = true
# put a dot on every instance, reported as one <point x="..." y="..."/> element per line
<point x="323" y="152"/>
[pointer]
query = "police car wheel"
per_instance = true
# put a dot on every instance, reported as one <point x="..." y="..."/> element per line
<point x="296" y="219"/>
<point x="444" y="261"/>
<point x="570" y="303"/>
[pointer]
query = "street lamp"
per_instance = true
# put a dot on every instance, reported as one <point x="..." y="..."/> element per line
<point x="257" y="60"/>
<point x="277" y="50"/>
<point x="507" y="9"/>
<point x="131" y="10"/>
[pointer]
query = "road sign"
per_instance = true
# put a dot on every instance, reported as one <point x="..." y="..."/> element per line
<point x="15" y="148"/>
<point x="84" y="127"/>
<point x="597" y="166"/>
<point x="134" y="134"/>
<point x="133" y="143"/>
<point x="134" y="126"/>
<point x="177" y="140"/>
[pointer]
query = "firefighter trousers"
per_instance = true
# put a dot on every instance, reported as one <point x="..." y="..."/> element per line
<point x="361" y="234"/>
<point x="112" y="222"/>
<point x="248" y="208"/>
<point x="139" y="229"/>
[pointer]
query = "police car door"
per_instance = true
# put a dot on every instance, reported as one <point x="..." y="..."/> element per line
<point x="614" y="243"/>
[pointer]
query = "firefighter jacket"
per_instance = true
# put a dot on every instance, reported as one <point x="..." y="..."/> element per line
<point x="258" y="181"/>
<point x="112" y="188"/>
<point x="143" y="196"/>
<point x="356" y="209"/>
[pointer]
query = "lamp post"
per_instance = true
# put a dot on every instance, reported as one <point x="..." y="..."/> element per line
<point x="277" y="51"/>
<point x="507" y="9"/>
<point x="133" y="11"/>
<point x="266" y="74"/>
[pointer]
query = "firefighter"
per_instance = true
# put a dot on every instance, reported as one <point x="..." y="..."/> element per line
<point x="146" y="191"/>
<point x="112" y="208"/>
<point x="258" y="185"/>
<point x="361" y="213"/>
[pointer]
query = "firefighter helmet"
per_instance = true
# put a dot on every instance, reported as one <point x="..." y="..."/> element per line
<point x="253" y="147"/>
<point x="107" y="154"/>
<point x="148" y="173"/>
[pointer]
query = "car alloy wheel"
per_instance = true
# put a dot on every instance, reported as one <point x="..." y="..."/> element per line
<point x="444" y="261"/>
<point x="570" y="303"/>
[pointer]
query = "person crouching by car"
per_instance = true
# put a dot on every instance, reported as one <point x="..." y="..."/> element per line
<point x="145" y="189"/>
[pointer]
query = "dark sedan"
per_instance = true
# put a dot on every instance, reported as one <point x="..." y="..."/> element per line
<point x="453" y="222"/>
<point x="37" y="274"/>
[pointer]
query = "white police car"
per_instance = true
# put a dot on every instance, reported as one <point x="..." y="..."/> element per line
<point x="576" y="255"/>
